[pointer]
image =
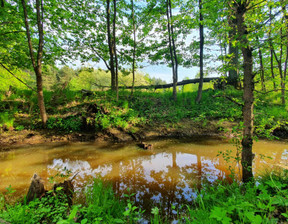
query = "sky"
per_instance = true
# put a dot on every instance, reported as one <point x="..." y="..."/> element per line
<point x="158" y="71"/>
<point x="165" y="73"/>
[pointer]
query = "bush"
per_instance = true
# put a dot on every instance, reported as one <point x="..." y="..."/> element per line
<point x="6" y="120"/>
<point x="47" y="210"/>
<point x="68" y="124"/>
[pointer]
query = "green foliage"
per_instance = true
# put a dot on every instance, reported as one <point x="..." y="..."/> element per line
<point x="220" y="202"/>
<point x="102" y="205"/>
<point x="7" y="80"/>
<point x="49" y="209"/>
<point x="6" y="120"/>
<point x="68" y="124"/>
<point x="143" y="107"/>
<point x="224" y="203"/>
<point x="119" y="115"/>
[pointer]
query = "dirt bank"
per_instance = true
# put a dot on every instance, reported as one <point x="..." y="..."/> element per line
<point x="183" y="129"/>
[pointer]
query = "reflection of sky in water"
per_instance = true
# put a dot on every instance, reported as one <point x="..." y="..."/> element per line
<point x="284" y="156"/>
<point x="169" y="177"/>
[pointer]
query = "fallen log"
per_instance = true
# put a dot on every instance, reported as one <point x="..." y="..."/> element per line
<point x="162" y="86"/>
<point x="169" y="85"/>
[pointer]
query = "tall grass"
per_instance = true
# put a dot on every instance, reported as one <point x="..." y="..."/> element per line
<point x="220" y="202"/>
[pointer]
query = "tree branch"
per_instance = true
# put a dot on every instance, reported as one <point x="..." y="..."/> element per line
<point x="16" y="77"/>
<point x="274" y="90"/>
<point x="230" y="99"/>
<point x="253" y="6"/>
<point x="96" y="52"/>
<point x="2" y="34"/>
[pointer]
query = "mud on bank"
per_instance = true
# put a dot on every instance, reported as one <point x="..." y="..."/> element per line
<point x="184" y="129"/>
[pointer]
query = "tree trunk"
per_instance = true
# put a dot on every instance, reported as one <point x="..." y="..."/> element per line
<point x="110" y="45"/>
<point x="201" y="30"/>
<point x="172" y="48"/>
<point x="272" y="69"/>
<point x="283" y="83"/>
<point x="37" y="65"/>
<point x="175" y="75"/>
<point x="271" y="51"/>
<point x="233" y="74"/>
<point x="248" y="96"/>
<point x="262" y="72"/>
<point x="114" y="49"/>
<point x="282" y="77"/>
<point x="134" y="48"/>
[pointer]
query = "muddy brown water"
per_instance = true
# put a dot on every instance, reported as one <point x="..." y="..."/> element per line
<point x="168" y="176"/>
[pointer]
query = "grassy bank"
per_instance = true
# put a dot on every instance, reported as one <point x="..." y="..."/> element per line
<point x="74" y="111"/>
<point x="264" y="202"/>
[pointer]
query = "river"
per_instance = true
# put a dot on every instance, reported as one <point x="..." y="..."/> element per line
<point x="169" y="175"/>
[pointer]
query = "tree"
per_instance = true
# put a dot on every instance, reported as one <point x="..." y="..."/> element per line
<point x="233" y="72"/>
<point x="134" y="45"/>
<point x="37" y="62"/>
<point x="278" y="41"/>
<point x="241" y="9"/>
<point x="112" y="45"/>
<point x="201" y="31"/>
<point x="172" y="47"/>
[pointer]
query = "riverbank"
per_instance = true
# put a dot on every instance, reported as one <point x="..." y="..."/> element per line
<point x="182" y="129"/>
<point x="76" y="116"/>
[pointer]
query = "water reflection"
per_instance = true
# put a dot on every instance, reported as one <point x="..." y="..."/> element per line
<point x="169" y="175"/>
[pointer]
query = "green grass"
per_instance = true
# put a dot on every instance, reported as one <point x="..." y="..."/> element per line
<point x="221" y="202"/>
<point x="6" y="120"/>
<point x="100" y="206"/>
<point x="67" y="108"/>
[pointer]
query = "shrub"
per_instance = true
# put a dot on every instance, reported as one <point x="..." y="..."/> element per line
<point x="68" y="124"/>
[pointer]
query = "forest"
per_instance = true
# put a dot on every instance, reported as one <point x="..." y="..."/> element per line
<point x="72" y="74"/>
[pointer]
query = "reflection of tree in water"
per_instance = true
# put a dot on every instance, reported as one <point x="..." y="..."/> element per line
<point x="171" y="185"/>
<point x="163" y="179"/>
<point x="168" y="186"/>
<point x="130" y="174"/>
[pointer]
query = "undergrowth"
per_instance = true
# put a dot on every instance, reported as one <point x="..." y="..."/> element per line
<point x="66" y="109"/>
<point x="220" y="202"/>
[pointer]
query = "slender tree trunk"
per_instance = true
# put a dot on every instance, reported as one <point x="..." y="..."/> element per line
<point x="282" y="77"/>
<point x="272" y="69"/>
<point x="37" y="64"/>
<point x="283" y="84"/>
<point x="172" y="48"/>
<point x="233" y="74"/>
<point x="271" y="51"/>
<point x="262" y="72"/>
<point x="175" y="75"/>
<point x="114" y="49"/>
<point x="248" y="95"/>
<point x="201" y="30"/>
<point x="223" y="54"/>
<point x="111" y="48"/>
<point x="134" y="47"/>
